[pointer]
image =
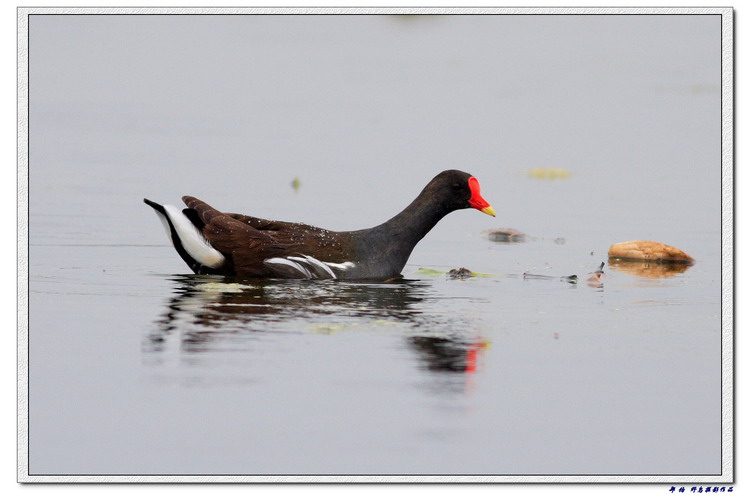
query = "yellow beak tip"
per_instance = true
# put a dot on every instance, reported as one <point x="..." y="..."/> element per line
<point x="489" y="210"/>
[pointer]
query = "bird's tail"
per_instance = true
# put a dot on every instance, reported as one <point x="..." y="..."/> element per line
<point x="189" y="242"/>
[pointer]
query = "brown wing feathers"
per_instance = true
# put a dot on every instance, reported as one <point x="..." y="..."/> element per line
<point x="248" y="241"/>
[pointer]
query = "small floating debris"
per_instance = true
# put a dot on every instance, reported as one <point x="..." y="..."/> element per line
<point x="571" y="279"/>
<point x="328" y="328"/>
<point x="296" y="184"/>
<point x="548" y="173"/>
<point x="648" y="250"/>
<point x="596" y="279"/>
<point x="509" y="235"/>
<point x="460" y="273"/>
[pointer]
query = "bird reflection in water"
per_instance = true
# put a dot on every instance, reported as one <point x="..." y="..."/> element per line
<point x="448" y="354"/>
<point x="211" y="312"/>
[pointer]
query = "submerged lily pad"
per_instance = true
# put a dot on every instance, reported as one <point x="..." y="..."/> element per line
<point x="548" y="173"/>
<point x="454" y="273"/>
<point x="329" y="328"/>
<point x="429" y="271"/>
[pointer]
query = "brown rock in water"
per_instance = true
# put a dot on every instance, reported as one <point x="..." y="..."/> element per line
<point x="647" y="250"/>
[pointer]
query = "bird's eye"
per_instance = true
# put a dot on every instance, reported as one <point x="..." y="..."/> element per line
<point x="456" y="186"/>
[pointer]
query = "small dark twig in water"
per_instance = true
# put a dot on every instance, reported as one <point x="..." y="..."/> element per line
<point x="572" y="279"/>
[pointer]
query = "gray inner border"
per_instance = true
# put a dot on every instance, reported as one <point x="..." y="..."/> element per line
<point x="727" y="241"/>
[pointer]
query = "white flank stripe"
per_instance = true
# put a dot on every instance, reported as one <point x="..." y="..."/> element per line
<point x="283" y="261"/>
<point x="314" y="264"/>
<point x="340" y="266"/>
<point x="192" y="240"/>
<point x="321" y="265"/>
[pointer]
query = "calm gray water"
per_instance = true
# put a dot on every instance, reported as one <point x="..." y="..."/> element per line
<point x="136" y="367"/>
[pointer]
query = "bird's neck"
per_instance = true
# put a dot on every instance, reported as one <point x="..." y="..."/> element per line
<point x="415" y="221"/>
<point x="395" y="239"/>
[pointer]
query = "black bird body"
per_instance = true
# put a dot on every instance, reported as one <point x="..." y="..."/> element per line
<point x="213" y="242"/>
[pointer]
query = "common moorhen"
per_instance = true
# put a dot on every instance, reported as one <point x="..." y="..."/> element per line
<point x="212" y="242"/>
